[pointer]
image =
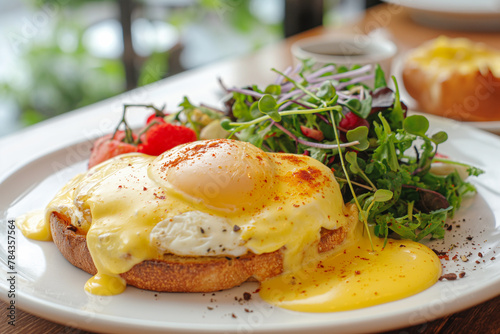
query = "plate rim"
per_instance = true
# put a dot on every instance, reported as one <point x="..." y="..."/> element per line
<point x="438" y="7"/>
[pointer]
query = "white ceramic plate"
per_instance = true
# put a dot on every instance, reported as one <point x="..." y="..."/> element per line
<point x="50" y="287"/>
<point x="493" y="126"/>
<point x="464" y="15"/>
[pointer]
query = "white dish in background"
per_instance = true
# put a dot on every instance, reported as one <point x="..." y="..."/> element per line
<point x="463" y="15"/>
<point x="346" y="50"/>
<point x="50" y="287"/>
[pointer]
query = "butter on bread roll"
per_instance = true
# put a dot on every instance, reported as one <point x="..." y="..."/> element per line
<point x="455" y="78"/>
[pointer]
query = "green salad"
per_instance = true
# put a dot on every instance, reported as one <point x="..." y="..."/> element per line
<point x="380" y="155"/>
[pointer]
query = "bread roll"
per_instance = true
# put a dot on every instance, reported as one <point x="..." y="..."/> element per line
<point x="455" y="78"/>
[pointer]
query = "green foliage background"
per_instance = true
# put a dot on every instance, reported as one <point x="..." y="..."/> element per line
<point x="58" y="81"/>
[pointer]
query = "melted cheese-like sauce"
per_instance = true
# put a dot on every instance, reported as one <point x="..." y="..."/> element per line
<point x="354" y="276"/>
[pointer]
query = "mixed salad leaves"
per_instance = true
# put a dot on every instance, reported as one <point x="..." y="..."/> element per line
<point x="381" y="157"/>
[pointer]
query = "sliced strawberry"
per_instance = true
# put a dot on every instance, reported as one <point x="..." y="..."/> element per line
<point x="106" y="148"/>
<point x="151" y="122"/>
<point x="352" y="121"/>
<point x="312" y="133"/>
<point x="163" y="137"/>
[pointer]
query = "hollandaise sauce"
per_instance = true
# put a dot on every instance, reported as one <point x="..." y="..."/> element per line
<point x="105" y="285"/>
<point x="34" y="226"/>
<point x="354" y="276"/>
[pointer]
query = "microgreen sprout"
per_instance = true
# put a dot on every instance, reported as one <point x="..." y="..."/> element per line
<point x="362" y="217"/>
<point x="352" y="159"/>
<point x="228" y="125"/>
<point x="381" y="195"/>
<point x="298" y="85"/>
<point x="268" y="105"/>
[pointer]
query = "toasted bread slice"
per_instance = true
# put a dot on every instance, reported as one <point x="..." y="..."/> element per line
<point x="175" y="273"/>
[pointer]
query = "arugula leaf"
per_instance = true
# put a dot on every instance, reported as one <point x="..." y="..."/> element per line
<point x="397" y="115"/>
<point x="386" y="150"/>
<point x="241" y="110"/>
<point x="379" y="77"/>
<point x="352" y="159"/>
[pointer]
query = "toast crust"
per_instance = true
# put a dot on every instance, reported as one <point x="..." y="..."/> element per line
<point x="174" y="273"/>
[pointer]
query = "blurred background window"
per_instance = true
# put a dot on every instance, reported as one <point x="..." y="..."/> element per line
<point x="60" y="55"/>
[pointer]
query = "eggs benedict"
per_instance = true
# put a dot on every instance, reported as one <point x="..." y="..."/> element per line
<point x="210" y="215"/>
<point x="203" y="216"/>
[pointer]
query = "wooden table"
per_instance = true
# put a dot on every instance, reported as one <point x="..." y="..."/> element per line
<point x="200" y="85"/>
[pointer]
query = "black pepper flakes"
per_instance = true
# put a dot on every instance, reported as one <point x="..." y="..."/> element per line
<point x="236" y="228"/>
<point x="449" y="277"/>
<point x="439" y="253"/>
